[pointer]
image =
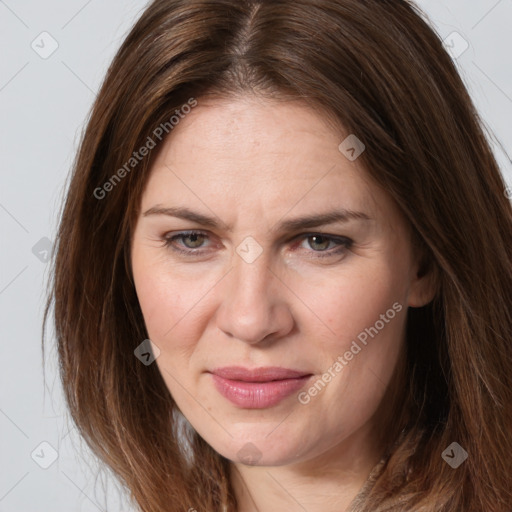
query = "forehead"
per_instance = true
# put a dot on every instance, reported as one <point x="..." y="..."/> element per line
<point x="249" y="127"/>
<point x="262" y="154"/>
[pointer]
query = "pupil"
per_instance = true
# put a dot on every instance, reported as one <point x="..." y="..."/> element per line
<point x="317" y="240"/>
<point x="194" y="238"/>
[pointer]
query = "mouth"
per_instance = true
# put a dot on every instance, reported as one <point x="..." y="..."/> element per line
<point x="258" y="388"/>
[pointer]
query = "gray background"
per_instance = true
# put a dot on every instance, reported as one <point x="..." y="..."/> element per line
<point x="44" y="103"/>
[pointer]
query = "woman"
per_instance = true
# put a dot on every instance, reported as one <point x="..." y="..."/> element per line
<point x="296" y="203"/>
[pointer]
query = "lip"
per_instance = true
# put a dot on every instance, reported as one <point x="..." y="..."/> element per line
<point x="257" y="388"/>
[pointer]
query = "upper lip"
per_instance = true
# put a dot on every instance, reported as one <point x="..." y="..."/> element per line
<point x="262" y="374"/>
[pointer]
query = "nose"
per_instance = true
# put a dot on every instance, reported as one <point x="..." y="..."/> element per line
<point x="253" y="306"/>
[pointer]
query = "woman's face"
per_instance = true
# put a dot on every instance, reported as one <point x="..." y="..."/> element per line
<point x="279" y="302"/>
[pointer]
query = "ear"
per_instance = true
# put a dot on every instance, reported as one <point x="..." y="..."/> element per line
<point x="424" y="281"/>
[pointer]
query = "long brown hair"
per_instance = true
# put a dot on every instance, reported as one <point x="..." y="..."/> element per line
<point x="379" y="69"/>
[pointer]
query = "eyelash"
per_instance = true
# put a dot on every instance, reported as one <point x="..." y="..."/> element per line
<point x="344" y="243"/>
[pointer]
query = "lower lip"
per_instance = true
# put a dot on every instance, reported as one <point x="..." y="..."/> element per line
<point x="257" y="395"/>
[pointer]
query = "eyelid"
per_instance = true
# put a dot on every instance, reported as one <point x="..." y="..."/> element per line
<point x="339" y="238"/>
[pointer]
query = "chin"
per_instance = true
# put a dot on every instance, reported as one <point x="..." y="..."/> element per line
<point x="259" y="449"/>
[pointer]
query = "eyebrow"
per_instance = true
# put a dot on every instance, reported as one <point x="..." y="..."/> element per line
<point x="304" y="222"/>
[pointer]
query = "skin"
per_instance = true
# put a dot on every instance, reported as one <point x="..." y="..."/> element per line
<point x="252" y="163"/>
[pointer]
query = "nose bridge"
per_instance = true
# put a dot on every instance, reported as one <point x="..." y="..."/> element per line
<point x="251" y="308"/>
<point x="250" y="282"/>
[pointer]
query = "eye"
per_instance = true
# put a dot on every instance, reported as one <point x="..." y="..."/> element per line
<point x="186" y="242"/>
<point x="319" y="242"/>
<point x="195" y="239"/>
<point x="326" y="245"/>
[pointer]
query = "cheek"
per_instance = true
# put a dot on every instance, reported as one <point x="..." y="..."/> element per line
<point x="172" y="303"/>
<point x="371" y="323"/>
<point x="172" y="313"/>
<point x="354" y="300"/>
<point x="161" y="305"/>
<point x="366" y="315"/>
